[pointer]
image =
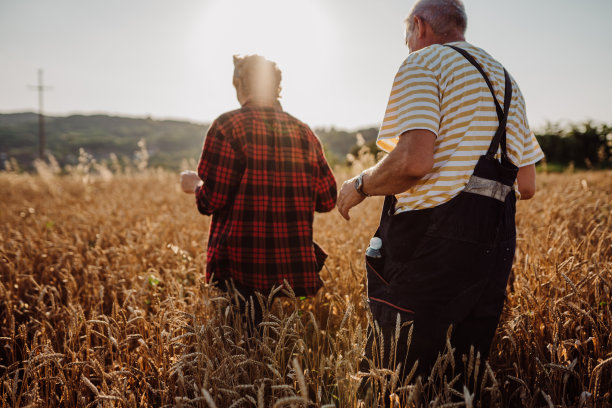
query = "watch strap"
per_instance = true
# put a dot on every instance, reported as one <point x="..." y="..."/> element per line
<point x="359" y="186"/>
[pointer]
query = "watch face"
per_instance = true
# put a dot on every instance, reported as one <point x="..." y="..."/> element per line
<point x="358" y="182"/>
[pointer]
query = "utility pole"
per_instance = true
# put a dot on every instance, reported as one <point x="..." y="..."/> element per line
<point x="41" y="118"/>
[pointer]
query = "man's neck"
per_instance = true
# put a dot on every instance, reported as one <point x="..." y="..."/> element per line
<point x="441" y="40"/>
<point x="452" y="38"/>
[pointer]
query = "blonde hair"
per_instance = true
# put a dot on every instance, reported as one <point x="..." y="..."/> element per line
<point x="258" y="77"/>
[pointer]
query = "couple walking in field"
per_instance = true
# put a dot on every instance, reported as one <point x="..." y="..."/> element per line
<point x="460" y="153"/>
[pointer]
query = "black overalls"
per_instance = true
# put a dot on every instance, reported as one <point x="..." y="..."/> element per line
<point x="449" y="264"/>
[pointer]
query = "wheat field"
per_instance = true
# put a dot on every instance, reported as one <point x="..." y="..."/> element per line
<point x="103" y="304"/>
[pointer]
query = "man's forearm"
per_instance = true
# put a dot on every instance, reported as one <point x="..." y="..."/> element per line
<point x="401" y="169"/>
<point x="385" y="178"/>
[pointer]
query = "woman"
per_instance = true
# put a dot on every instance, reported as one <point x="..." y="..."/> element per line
<point x="262" y="175"/>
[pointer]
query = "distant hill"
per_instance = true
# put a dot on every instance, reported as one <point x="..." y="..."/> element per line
<point x="168" y="141"/>
<point x="587" y="145"/>
<point x="338" y="143"/>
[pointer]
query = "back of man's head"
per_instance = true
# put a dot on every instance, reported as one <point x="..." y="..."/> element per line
<point x="447" y="18"/>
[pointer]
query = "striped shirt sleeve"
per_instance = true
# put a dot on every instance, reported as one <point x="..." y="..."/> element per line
<point x="414" y="103"/>
<point x="532" y="152"/>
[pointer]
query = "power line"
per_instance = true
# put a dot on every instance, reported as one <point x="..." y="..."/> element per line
<point x="41" y="118"/>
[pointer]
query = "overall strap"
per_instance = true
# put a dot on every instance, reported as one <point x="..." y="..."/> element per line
<point x="502" y="115"/>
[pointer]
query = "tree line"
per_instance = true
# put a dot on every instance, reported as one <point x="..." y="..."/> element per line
<point x="586" y="146"/>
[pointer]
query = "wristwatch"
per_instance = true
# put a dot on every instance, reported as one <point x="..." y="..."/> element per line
<point x="359" y="185"/>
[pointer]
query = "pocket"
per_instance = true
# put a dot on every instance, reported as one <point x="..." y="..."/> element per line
<point x="375" y="268"/>
<point x="377" y="284"/>
<point x="386" y="314"/>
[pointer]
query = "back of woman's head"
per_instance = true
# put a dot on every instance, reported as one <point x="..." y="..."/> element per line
<point x="258" y="77"/>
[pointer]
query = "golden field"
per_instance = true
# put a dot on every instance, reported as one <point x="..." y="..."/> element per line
<point x="103" y="304"/>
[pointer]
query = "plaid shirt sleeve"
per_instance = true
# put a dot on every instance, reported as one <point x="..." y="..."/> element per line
<point x="325" y="186"/>
<point x="220" y="168"/>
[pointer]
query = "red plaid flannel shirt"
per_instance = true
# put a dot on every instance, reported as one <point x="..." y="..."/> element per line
<point x="264" y="176"/>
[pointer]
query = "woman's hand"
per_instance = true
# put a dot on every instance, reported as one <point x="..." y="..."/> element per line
<point x="190" y="181"/>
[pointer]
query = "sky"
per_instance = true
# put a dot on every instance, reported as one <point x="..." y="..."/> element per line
<point x="173" y="60"/>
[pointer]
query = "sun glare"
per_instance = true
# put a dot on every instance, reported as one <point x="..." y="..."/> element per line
<point x="278" y="28"/>
<point x="297" y="35"/>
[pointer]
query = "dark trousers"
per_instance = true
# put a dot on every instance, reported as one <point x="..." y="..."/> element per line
<point x="423" y="341"/>
<point x="472" y="305"/>
<point x="426" y="344"/>
<point x="440" y="267"/>
<point x="247" y="302"/>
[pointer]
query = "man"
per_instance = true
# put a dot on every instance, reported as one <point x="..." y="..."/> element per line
<point x="447" y="228"/>
<point x="262" y="175"/>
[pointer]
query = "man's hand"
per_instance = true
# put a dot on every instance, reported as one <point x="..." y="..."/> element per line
<point x="189" y="181"/>
<point x="348" y="198"/>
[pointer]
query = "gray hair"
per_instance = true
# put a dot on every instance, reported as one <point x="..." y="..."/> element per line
<point x="444" y="16"/>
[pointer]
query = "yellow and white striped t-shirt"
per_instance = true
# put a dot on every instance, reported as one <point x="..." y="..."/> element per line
<point x="437" y="89"/>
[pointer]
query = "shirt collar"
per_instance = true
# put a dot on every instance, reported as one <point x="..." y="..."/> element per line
<point x="252" y="104"/>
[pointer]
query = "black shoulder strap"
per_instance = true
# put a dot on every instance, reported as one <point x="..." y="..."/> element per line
<point x="502" y="115"/>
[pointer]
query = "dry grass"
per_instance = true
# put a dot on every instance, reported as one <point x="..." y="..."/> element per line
<point x="103" y="303"/>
